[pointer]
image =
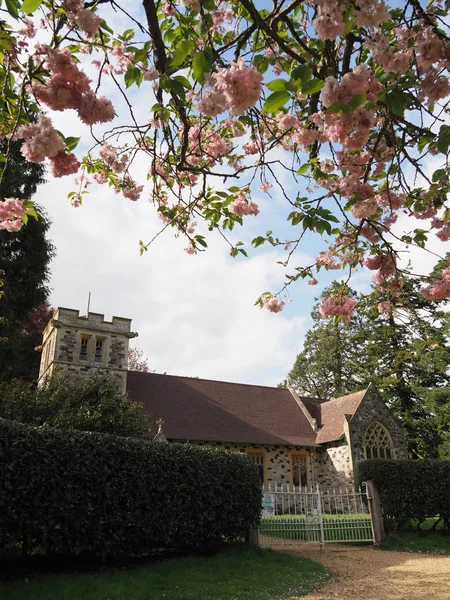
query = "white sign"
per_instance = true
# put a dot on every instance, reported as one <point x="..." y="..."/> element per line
<point x="268" y="505"/>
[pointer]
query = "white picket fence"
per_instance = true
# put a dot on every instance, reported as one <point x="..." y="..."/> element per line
<point x="292" y="515"/>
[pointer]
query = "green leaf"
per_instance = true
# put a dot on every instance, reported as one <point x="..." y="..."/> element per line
<point x="277" y="85"/>
<point x="71" y="143"/>
<point x="439" y="175"/>
<point x="182" y="51"/>
<point x="275" y="101"/>
<point x="357" y="101"/>
<point x="443" y="143"/>
<point x="258" y="241"/>
<point x="261" y="63"/>
<point x="312" y="86"/>
<point x="302" y="72"/>
<point x="184" y="82"/>
<point x="13" y="7"/>
<point x="131" y="76"/>
<point x="202" y="64"/>
<point x="396" y="102"/>
<point x="30" y="6"/>
<point x="304" y="169"/>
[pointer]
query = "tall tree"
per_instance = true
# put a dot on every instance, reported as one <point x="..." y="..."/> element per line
<point x="404" y="353"/>
<point x="24" y="260"/>
<point x="329" y="364"/>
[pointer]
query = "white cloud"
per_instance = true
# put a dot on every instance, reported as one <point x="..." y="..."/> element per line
<point x="194" y="314"/>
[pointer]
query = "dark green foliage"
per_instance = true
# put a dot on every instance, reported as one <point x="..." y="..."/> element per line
<point x="407" y="357"/>
<point x="74" y="403"/>
<point x="24" y="258"/>
<point x="86" y="492"/>
<point x="410" y="489"/>
<point x="329" y="365"/>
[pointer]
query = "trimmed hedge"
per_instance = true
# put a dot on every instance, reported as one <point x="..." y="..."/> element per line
<point x="410" y="489"/>
<point x="76" y="492"/>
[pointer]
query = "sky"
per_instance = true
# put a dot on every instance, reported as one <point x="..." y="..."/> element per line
<point x="195" y="315"/>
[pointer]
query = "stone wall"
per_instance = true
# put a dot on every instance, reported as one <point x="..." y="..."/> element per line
<point x="333" y="465"/>
<point x="373" y="409"/>
<point x="277" y="459"/>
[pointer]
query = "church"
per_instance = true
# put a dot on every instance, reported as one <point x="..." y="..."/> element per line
<point x="293" y="440"/>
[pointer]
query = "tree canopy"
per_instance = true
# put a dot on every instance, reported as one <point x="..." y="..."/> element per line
<point x="411" y="371"/>
<point x="331" y="107"/>
<point x="25" y="257"/>
<point x="73" y="403"/>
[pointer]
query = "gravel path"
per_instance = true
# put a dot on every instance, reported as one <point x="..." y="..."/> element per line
<point x="364" y="573"/>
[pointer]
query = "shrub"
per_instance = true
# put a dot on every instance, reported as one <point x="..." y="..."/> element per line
<point x="73" y="403"/>
<point x="70" y="491"/>
<point x="410" y="489"/>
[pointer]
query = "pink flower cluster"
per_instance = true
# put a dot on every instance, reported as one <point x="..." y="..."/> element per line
<point x="359" y="81"/>
<point x="273" y="304"/>
<point x="68" y="87"/>
<point x="338" y="305"/>
<point x="84" y="18"/>
<point x="242" y="207"/>
<point x="111" y="158"/>
<point x="439" y="290"/>
<point x="11" y="212"/>
<point x="330" y="23"/>
<point x="326" y="260"/>
<point x="286" y="120"/>
<point x="64" y="164"/>
<point x="42" y="141"/>
<point x="385" y="264"/>
<point x="236" y="89"/>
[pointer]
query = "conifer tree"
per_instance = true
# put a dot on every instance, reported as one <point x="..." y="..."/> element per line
<point x="24" y="261"/>
<point x="404" y="353"/>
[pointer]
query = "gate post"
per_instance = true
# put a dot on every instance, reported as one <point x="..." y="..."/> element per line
<point x="376" y="515"/>
<point x="252" y="537"/>
<point x="319" y="510"/>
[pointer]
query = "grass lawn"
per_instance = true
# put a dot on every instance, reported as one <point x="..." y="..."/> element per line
<point x="412" y="540"/>
<point x="237" y="573"/>
<point x="351" y="527"/>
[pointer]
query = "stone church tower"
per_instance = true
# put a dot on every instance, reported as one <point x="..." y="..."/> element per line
<point x="82" y="345"/>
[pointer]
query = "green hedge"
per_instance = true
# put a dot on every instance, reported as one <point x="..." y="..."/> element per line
<point x="410" y="489"/>
<point x="79" y="492"/>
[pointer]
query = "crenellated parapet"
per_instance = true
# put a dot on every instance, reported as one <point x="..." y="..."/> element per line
<point x="81" y="345"/>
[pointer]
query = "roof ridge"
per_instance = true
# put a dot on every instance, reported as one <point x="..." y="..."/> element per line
<point x="270" y="387"/>
<point x="363" y="391"/>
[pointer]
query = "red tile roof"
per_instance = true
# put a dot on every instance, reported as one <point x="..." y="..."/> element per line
<point x="202" y="409"/>
<point x="332" y="416"/>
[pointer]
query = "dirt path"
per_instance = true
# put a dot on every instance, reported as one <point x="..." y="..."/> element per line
<point x="365" y="573"/>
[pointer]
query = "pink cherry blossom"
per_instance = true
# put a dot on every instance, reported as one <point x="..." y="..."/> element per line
<point x="338" y="305"/>
<point x="64" y="164"/>
<point x="41" y="140"/>
<point x="250" y="148"/>
<point x="240" y="85"/>
<point x="88" y="22"/>
<point x="286" y="120"/>
<point x="273" y="304"/>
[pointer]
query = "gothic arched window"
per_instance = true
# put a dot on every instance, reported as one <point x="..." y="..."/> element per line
<point x="378" y="442"/>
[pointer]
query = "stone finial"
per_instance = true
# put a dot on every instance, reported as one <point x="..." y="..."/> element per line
<point x="160" y="437"/>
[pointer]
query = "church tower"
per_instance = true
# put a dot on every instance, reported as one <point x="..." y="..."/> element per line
<point x="80" y="346"/>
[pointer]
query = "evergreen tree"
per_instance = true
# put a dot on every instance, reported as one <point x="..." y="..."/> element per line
<point x="405" y="354"/>
<point x="329" y="364"/>
<point x="24" y="262"/>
